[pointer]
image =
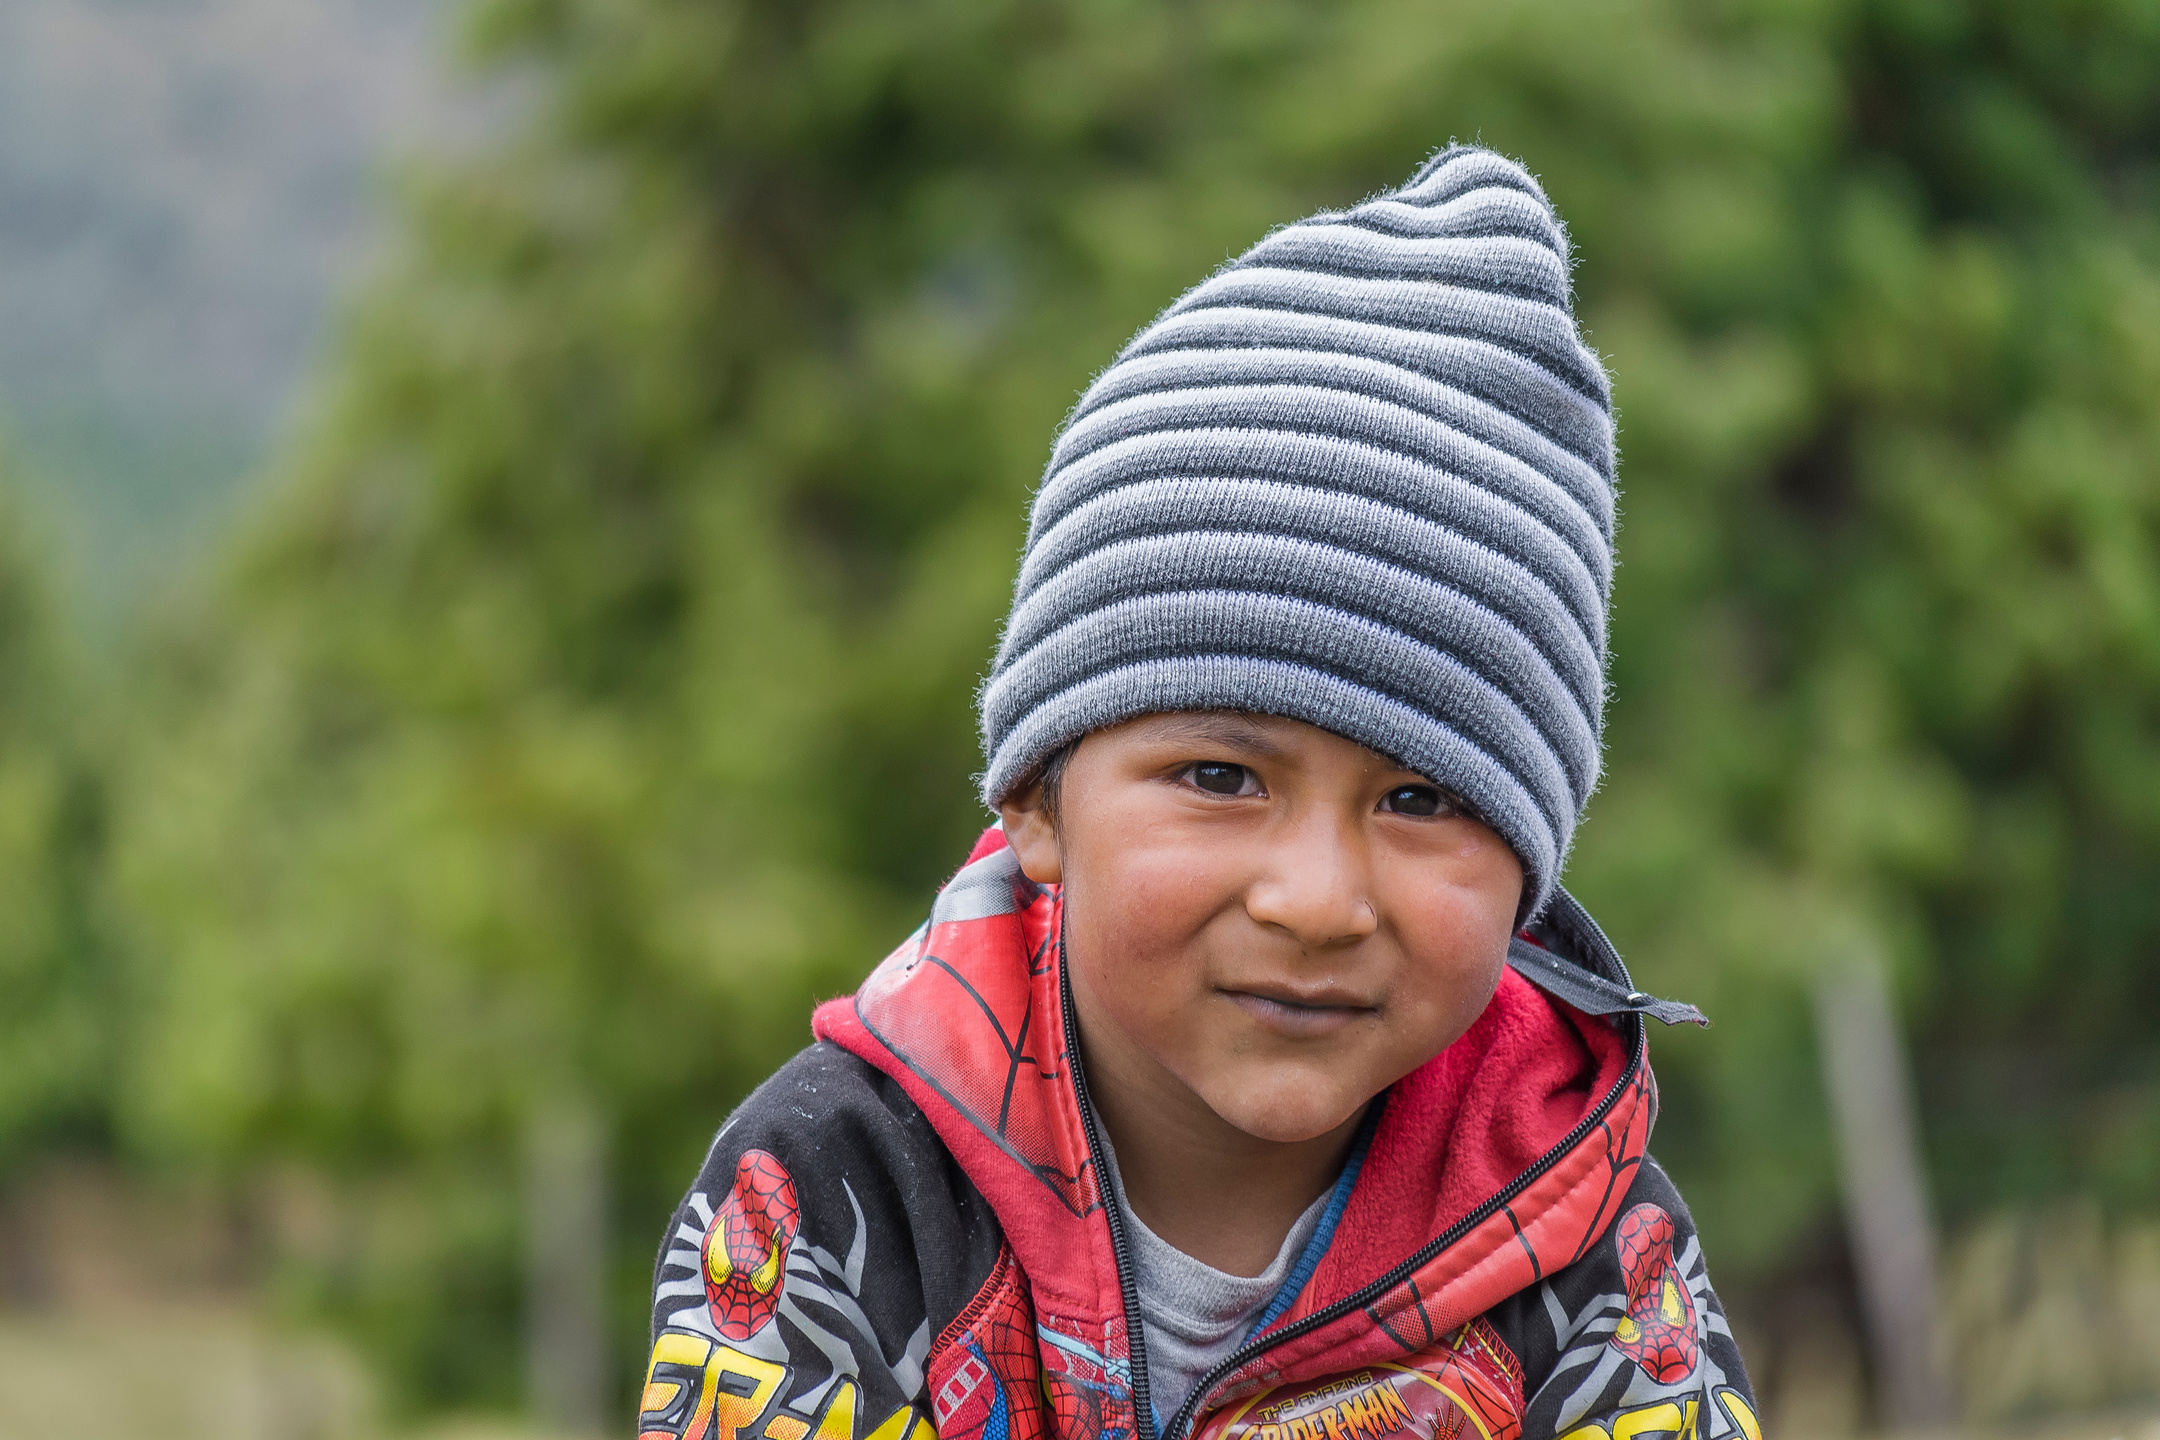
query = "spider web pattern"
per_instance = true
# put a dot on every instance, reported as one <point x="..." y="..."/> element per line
<point x="1090" y="1391"/>
<point x="1658" y="1330"/>
<point x="1008" y="1342"/>
<point x="986" y="1036"/>
<point x="747" y="1243"/>
<point x="997" y="1330"/>
<point x="1477" y="1343"/>
<point x="1611" y="1380"/>
<point x="1489" y="1379"/>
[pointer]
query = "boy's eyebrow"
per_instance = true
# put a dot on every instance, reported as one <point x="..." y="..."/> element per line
<point x="1235" y="731"/>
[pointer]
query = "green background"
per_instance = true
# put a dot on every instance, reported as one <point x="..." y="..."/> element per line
<point x="593" y="686"/>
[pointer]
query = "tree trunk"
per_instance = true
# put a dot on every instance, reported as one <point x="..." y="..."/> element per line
<point x="566" y="1266"/>
<point x="1886" y="1209"/>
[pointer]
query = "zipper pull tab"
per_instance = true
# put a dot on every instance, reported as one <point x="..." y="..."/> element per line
<point x="1593" y="994"/>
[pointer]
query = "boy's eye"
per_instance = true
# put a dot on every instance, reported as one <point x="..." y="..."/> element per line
<point x="1219" y="777"/>
<point x="1414" y="800"/>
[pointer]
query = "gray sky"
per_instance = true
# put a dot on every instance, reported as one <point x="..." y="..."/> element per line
<point x="186" y="186"/>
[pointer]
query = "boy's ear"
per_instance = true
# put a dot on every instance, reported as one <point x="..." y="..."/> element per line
<point x="1033" y="838"/>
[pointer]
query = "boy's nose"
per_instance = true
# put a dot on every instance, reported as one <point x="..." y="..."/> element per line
<point x="1314" y="887"/>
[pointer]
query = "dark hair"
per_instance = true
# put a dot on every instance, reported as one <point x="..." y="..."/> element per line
<point x="1050" y="777"/>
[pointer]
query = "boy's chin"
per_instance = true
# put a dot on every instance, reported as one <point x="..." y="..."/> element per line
<point x="1285" y="1118"/>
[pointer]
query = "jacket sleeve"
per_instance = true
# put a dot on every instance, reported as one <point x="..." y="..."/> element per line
<point x="1630" y="1340"/>
<point x="829" y="1238"/>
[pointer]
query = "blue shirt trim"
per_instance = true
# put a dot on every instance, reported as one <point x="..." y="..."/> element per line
<point x="1338" y="1200"/>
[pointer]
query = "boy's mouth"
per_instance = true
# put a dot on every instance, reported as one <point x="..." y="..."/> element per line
<point x="1301" y="1013"/>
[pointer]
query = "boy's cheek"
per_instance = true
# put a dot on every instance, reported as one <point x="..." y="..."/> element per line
<point x="1147" y="923"/>
<point x="1435" y="1010"/>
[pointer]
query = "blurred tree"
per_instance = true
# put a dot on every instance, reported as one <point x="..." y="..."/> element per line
<point x="59" y="1010"/>
<point x="598" y="686"/>
<point x="1889" y="670"/>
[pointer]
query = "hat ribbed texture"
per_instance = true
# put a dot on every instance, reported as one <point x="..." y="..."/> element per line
<point x="1361" y="477"/>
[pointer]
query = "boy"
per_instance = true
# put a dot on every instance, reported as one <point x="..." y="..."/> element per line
<point x="1254" y="1079"/>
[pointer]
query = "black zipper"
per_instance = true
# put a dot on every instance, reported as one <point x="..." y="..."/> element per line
<point x="1128" y="1291"/>
<point x="1571" y="915"/>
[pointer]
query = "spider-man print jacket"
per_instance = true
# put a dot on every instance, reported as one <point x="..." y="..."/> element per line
<point x="902" y="1235"/>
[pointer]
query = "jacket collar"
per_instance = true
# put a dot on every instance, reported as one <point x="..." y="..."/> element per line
<point x="1499" y="1161"/>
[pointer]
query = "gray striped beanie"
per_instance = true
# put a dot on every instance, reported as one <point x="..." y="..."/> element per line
<point x="1361" y="477"/>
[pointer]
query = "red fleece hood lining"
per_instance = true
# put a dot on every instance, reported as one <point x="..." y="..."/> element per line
<point x="1462" y="1127"/>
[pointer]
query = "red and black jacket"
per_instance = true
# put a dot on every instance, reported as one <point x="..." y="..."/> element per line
<point x="904" y="1230"/>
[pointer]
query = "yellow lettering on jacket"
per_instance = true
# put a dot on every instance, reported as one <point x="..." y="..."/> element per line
<point x="1394" y="1409"/>
<point x="838" y="1421"/>
<point x="670" y="1349"/>
<point x="1370" y="1412"/>
<point x="1666" y="1419"/>
<point x="895" y="1426"/>
<point x="732" y="1414"/>
<point x="1373" y="1413"/>
<point x="1741" y="1415"/>
<point x="675" y="1348"/>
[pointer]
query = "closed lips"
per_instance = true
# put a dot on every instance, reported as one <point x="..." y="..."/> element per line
<point x="1300" y="1013"/>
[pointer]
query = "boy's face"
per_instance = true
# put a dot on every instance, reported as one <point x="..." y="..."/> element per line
<point x="1264" y="916"/>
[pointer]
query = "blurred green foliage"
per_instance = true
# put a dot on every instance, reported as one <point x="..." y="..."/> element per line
<point x="595" y="689"/>
<point x="59" y="1017"/>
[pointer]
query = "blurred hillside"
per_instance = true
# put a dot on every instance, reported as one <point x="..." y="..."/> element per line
<point x="591" y="686"/>
<point x="185" y="186"/>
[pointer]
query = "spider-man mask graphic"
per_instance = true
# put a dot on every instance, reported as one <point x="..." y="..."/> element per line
<point x="746" y="1246"/>
<point x="1658" y="1330"/>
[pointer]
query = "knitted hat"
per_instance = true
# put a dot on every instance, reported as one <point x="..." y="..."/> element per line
<point x="1361" y="477"/>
